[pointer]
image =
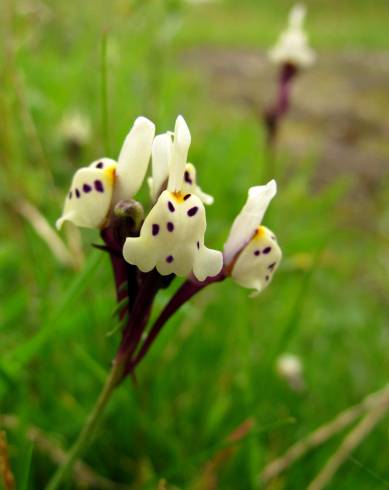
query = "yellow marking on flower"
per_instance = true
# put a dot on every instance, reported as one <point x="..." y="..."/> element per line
<point x="110" y="172"/>
<point x="259" y="233"/>
<point x="178" y="197"/>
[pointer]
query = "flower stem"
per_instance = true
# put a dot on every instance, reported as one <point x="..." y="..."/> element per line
<point x="89" y="430"/>
<point x="187" y="290"/>
<point x="104" y="93"/>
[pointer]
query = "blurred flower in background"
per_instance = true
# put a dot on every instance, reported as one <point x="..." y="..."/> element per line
<point x="290" y="369"/>
<point x="74" y="132"/>
<point x="291" y="53"/>
<point x="292" y="46"/>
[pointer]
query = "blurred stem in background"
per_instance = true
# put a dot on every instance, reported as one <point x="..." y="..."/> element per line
<point x="104" y="93"/>
<point x="274" y="115"/>
<point x="374" y="404"/>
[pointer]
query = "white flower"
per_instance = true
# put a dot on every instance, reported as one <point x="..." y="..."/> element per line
<point x="161" y="155"/>
<point x="292" y="46"/>
<point x="172" y="236"/>
<point x="290" y="369"/>
<point x="97" y="188"/>
<point x="251" y="252"/>
<point x="75" y="127"/>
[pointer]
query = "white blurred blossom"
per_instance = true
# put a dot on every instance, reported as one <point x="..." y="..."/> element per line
<point x="292" y="46"/>
<point x="75" y="128"/>
<point x="290" y="368"/>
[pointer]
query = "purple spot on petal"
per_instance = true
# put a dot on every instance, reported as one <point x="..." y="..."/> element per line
<point x="100" y="165"/>
<point x="267" y="278"/>
<point x="257" y="252"/>
<point x="77" y="193"/>
<point x="198" y="245"/>
<point x="169" y="259"/>
<point x="266" y="250"/>
<point x="99" y="186"/>
<point x="187" y="177"/>
<point x="170" y="226"/>
<point x="70" y="194"/>
<point x="271" y="266"/>
<point x="273" y="238"/>
<point x="86" y="188"/>
<point x="171" y="207"/>
<point x="187" y="196"/>
<point x="155" y="229"/>
<point x="192" y="211"/>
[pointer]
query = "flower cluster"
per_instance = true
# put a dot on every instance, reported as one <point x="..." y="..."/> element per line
<point x="148" y="252"/>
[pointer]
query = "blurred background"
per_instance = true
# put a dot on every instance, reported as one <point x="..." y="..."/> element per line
<point x="213" y="404"/>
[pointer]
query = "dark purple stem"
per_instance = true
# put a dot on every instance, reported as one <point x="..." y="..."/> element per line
<point x="275" y="113"/>
<point x="187" y="290"/>
<point x="124" y="273"/>
<point x="140" y="314"/>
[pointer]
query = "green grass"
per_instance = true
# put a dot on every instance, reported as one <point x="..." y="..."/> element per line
<point x="213" y="365"/>
<point x="357" y="24"/>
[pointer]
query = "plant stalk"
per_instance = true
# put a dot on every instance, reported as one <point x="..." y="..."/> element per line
<point x="89" y="430"/>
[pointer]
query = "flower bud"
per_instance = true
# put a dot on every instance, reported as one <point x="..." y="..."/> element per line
<point x="127" y="219"/>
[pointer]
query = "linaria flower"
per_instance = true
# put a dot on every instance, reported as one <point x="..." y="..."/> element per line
<point x="251" y="252"/>
<point x="97" y="188"/>
<point x="172" y="236"/>
<point x="292" y="47"/>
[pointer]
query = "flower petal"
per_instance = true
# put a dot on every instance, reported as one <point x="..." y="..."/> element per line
<point x="249" y="218"/>
<point x="297" y="16"/>
<point x="160" y="158"/>
<point x="258" y="261"/>
<point x="89" y="199"/>
<point x="179" y="155"/>
<point x="207" y="263"/>
<point x="134" y="159"/>
<point x="172" y="239"/>
<point x="190" y="185"/>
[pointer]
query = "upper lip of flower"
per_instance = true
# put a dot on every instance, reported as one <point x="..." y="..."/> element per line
<point x="162" y="151"/>
<point x="179" y="155"/>
<point x="160" y="158"/>
<point x="134" y="159"/>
